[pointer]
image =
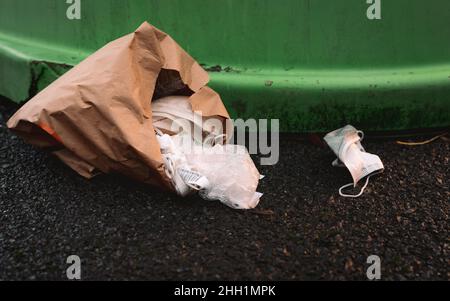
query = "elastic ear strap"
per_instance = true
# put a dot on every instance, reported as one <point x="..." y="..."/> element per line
<point x="361" y="134"/>
<point x="351" y="195"/>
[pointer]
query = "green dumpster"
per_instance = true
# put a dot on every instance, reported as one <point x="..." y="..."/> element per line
<point x="314" y="64"/>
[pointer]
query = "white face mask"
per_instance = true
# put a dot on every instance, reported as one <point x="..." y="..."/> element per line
<point x="346" y="144"/>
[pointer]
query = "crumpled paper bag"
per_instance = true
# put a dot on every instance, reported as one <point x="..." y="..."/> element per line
<point x="98" y="118"/>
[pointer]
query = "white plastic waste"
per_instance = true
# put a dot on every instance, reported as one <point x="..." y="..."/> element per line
<point x="218" y="172"/>
<point x="232" y="175"/>
<point x="346" y="144"/>
<point x="183" y="179"/>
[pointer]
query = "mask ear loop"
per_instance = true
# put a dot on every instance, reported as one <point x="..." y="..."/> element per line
<point x="356" y="195"/>
<point x="361" y="135"/>
<point x="362" y="189"/>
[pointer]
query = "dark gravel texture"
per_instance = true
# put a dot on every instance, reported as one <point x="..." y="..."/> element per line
<point x="302" y="229"/>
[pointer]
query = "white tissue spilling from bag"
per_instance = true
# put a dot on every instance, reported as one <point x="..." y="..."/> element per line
<point x="173" y="113"/>
<point x="218" y="172"/>
<point x="346" y="144"/>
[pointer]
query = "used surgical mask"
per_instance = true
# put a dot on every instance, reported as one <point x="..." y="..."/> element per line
<point x="346" y="144"/>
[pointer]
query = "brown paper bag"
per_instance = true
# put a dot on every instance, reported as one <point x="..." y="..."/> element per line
<point x="98" y="118"/>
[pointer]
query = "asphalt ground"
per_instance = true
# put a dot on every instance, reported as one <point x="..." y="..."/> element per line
<point x="302" y="229"/>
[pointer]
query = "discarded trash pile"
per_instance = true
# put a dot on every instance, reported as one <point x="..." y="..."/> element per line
<point x="140" y="107"/>
<point x="196" y="159"/>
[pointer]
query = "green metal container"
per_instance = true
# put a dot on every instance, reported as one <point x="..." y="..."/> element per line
<point x="314" y="64"/>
